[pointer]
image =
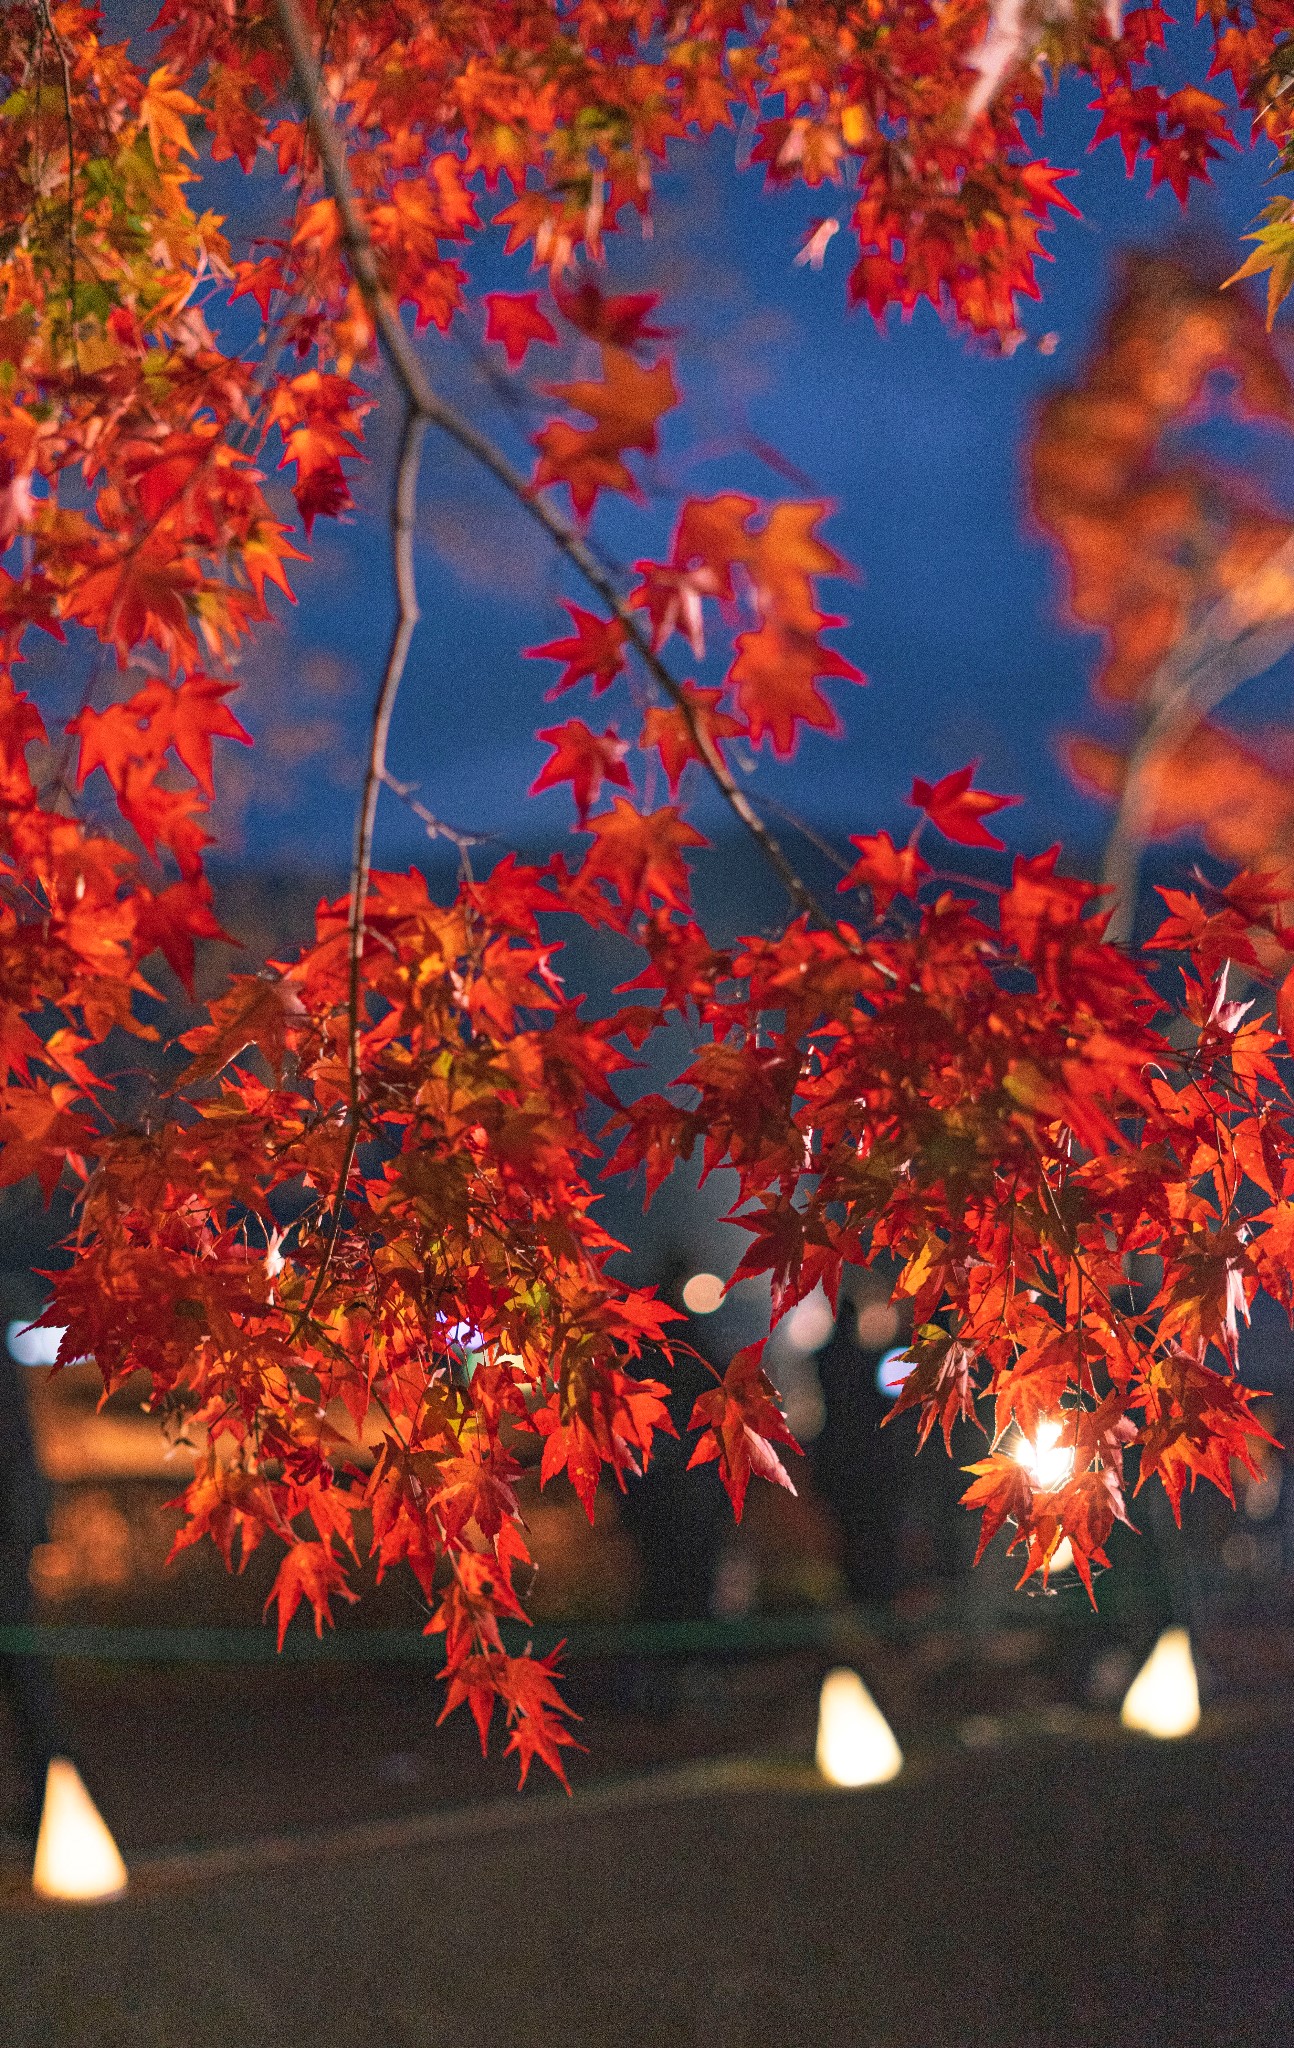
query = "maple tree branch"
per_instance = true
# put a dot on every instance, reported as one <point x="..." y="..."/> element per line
<point x="422" y="397"/>
<point x="1240" y="637"/>
<point x="47" y="23"/>
<point x="404" y="507"/>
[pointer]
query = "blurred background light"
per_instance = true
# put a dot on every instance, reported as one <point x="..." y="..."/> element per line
<point x="892" y="1368"/>
<point x="703" y="1294"/>
<point x="29" y="1345"/>
<point x="878" y="1323"/>
<point x="810" y="1322"/>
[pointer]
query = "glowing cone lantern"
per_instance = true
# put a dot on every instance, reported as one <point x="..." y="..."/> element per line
<point x="856" y="1744"/>
<point x="76" y="1857"/>
<point x="1164" y="1697"/>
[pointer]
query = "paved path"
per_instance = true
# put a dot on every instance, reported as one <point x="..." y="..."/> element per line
<point x="1067" y="1892"/>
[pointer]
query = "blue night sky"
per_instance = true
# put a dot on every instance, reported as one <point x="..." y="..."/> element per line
<point x="914" y="435"/>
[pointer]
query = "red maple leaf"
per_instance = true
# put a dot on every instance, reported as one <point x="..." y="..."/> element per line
<point x="887" y="870"/>
<point x="516" y="319"/>
<point x="309" y="1571"/>
<point x="186" y="718"/>
<point x="597" y="650"/>
<point x="620" y="322"/>
<point x="583" y="758"/>
<point x="956" y="810"/>
<point x="740" y="1421"/>
<point x="173" y="919"/>
<point x="1000" y="1487"/>
<point x="666" y="728"/>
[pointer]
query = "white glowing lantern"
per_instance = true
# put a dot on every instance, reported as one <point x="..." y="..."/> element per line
<point x="1164" y="1697"/>
<point x="1062" y="1558"/>
<point x="1047" y="1461"/>
<point x="76" y="1857"/>
<point x="856" y="1744"/>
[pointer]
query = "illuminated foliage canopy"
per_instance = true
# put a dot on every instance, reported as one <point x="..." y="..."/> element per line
<point x="996" y="1097"/>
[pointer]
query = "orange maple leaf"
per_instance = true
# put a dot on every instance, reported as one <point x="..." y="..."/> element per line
<point x="626" y="404"/>
<point x="257" y="1010"/>
<point x="640" y="854"/>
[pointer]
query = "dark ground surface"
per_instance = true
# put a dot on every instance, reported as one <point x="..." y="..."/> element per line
<point x="314" y="1865"/>
<point x="1055" y="1891"/>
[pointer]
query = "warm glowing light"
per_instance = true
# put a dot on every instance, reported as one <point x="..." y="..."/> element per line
<point x="1064" y="1556"/>
<point x="1047" y="1461"/>
<point x="810" y="1322"/>
<point x="703" y="1294"/>
<point x="1164" y="1697"/>
<point x="876" y="1324"/>
<point x="76" y="1857"/>
<point x="856" y="1744"/>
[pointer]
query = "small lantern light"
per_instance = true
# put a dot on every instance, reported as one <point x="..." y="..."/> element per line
<point x="76" y="1857"/>
<point x="856" y="1744"/>
<point x="1164" y="1697"/>
<point x="1047" y="1461"/>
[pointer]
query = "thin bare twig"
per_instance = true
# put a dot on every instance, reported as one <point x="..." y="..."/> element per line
<point x="404" y="507"/>
<point x="434" y="827"/>
<point x="1240" y="637"/>
<point x="422" y="398"/>
<point x="47" y="22"/>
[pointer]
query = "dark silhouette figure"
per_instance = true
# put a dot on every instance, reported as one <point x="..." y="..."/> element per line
<point x="679" y="1519"/>
<point x="856" y="1466"/>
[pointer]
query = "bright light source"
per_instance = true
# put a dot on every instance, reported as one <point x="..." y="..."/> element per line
<point x="1164" y="1697"/>
<point x="856" y="1744"/>
<point x="1047" y="1461"/>
<point x="1064" y="1557"/>
<point x="891" y="1371"/>
<point x="31" y="1346"/>
<point x="76" y="1857"/>
<point x="703" y="1294"/>
<point x="810" y="1322"/>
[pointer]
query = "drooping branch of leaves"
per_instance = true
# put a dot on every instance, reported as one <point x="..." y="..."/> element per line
<point x="424" y="402"/>
<point x="996" y="1101"/>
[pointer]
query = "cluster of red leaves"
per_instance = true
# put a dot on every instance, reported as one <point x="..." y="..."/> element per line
<point x="574" y="108"/>
<point x="993" y="1103"/>
<point x="354" y="1245"/>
